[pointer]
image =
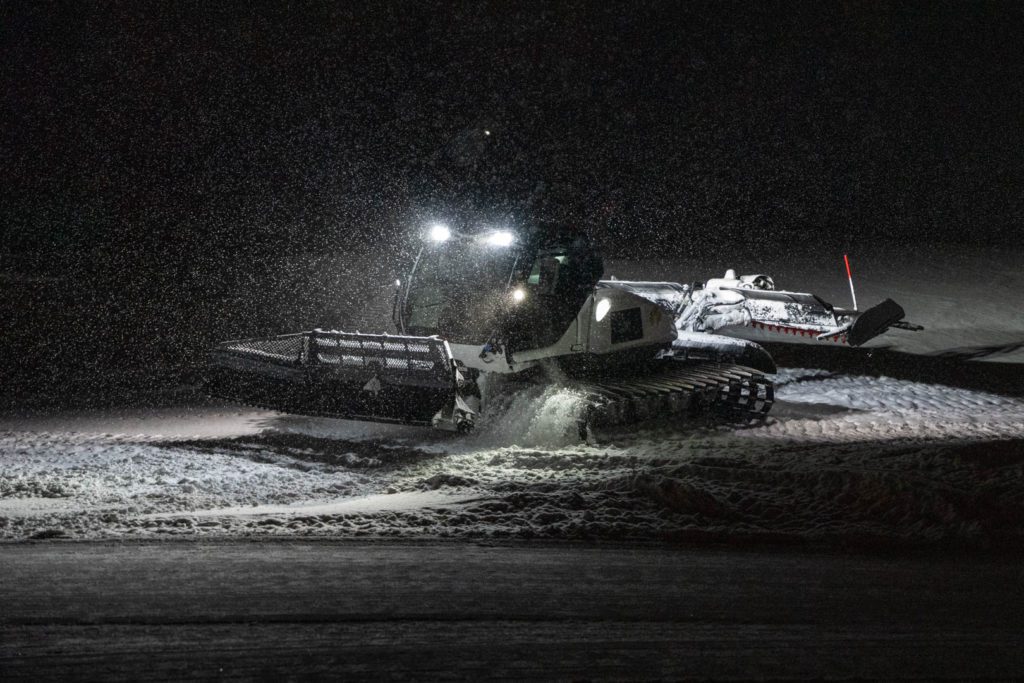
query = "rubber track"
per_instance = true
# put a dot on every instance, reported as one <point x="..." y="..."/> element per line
<point x="710" y="391"/>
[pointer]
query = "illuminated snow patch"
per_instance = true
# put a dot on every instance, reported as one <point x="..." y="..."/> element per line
<point x="885" y="409"/>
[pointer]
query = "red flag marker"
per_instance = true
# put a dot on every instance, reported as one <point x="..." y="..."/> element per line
<point x="849" y="276"/>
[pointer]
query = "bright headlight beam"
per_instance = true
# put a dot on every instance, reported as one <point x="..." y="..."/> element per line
<point x="500" y="238"/>
<point x="518" y="294"/>
<point x="439" y="232"/>
<point x="601" y="310"/>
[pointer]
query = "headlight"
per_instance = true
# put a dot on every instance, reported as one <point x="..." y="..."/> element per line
<point x="518" y="294"/>
<point x="601" y="310"/>
<point x="439" y="232"/>
<point x="501" y="238"/>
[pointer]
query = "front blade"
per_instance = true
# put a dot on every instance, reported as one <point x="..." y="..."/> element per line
<point x="875" y="321"/>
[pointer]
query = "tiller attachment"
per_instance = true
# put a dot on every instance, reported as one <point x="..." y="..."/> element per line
<point x="380" y="378"/>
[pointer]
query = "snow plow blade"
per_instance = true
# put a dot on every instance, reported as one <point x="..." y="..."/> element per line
<point x="875" y="321"/>
<point x="376" y="378"/>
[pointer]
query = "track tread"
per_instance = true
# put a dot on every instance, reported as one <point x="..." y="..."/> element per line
<point x="719" y="392"/>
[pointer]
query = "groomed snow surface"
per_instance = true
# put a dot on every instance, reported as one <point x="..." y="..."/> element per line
<point x="844" y="459"/>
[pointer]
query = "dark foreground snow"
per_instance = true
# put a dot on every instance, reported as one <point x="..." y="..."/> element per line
<point x="412" y="611"/>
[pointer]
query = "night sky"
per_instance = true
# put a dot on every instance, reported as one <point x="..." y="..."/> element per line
<point x="154" y="154"/>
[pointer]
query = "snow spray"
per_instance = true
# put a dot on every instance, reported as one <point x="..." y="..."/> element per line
<point x="541" y="416"/>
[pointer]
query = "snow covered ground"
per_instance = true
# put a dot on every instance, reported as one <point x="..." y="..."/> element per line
<point x="849" y="456"/>
<point x="844" y="459"/>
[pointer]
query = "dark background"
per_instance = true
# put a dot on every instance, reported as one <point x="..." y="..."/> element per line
<point x="173" y="172"/>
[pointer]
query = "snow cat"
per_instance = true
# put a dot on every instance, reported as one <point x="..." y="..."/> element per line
<point x="476" y="311"/>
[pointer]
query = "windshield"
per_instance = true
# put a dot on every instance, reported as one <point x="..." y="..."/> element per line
<point x="457" y="290"/>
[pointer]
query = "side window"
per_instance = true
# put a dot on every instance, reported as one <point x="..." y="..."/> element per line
<point x="547" y="271"/>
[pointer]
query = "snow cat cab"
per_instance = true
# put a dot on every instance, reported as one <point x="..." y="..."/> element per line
<point x="525" y="290"/>
<point x="507" y="303"/>
<point x="532" y="306"/>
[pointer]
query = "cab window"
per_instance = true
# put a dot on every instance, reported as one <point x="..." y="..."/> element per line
<point x="547" y="270"/>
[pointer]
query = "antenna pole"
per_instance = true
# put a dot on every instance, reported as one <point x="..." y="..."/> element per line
<point x="849" y="276"/>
